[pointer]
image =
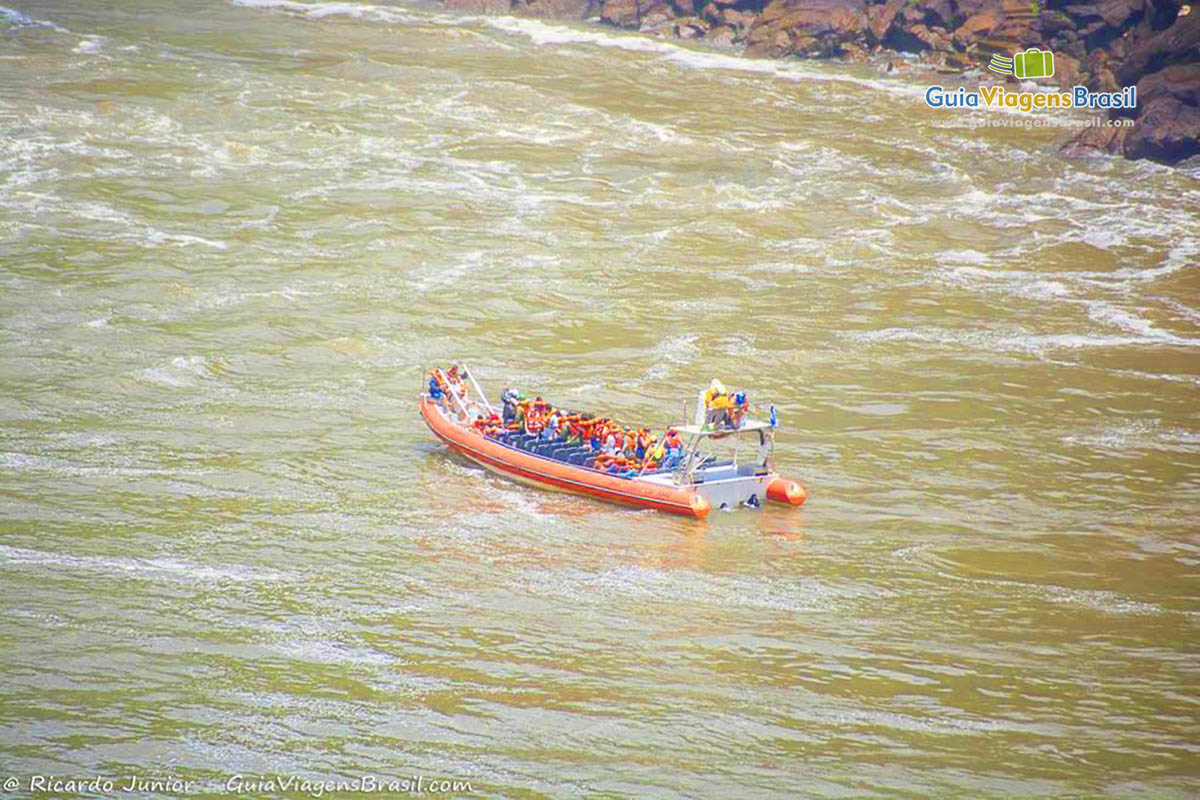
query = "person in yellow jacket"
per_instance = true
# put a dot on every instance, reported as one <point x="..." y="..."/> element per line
<point x="718" y="409"/>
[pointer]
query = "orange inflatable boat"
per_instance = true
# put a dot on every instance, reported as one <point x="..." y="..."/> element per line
<point x="564" y="450"/>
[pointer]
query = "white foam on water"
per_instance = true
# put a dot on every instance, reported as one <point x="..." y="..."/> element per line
<point x="315" y="11"/>
<point x="1028" y="285"/>
<point x="643" y="584"/>
<point x="181" y="373"/>
<point x="679" y="348"/>
<point x="185" y="240"/>
<point x="1109" y="314"/>
<point x="1137" y="435"/>
<point x="1184" y="252"/>
<point x="964" y="256"/>
<point x="1097" y="600"/>
<point x="997" y="342"/>
<point x="152" y="567"/>
<point x="18" y="18"/>
<point x="90" y="44"/>
<point x="544" y="33"/>
<point x="1103" y="239"/>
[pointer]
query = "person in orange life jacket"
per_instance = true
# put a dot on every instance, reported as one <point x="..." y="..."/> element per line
<point x="575" y="433"/>
<point x="435" y="389"/>
<point x="489" y="425"/>
<point x="673" y="449"/>
<point x="643" y="440"/>
<point x="603" y="462"/>
<point x="534" y="422"/>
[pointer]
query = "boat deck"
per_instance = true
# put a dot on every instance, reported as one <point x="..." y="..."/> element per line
<point x="558" y="450"/>
<point x="579" y="456"/>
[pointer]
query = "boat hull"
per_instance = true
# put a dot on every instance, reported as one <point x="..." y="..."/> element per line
<point x="546" y="473"/>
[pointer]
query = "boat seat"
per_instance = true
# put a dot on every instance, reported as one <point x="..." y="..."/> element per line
<point x="589" y="462"/>
<point x="577" y="458"/>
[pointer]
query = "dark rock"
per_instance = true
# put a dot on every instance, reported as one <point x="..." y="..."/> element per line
<point x="655" y="19"/>
<point x="691" y="27"/>
<point x="854" y="52"/>
<point x="1104" y="81"/>
<point x="1177" y="43"/>
<point x="1168" y="130"/>
<point x="622" y="13"/>
<point x="1066" y="71"/>
<point x="1181" y="81"/>
<point x="942" y="12"/>
<point x="817" y="27"/>
<point x="740" y="20"/>
<point x="1054" y="23"/>
<point x="722" y="36"/>
<point x="976" y="26"/>
<point x="763" y="42"/>
<point x="556" y="9"/>
<point x="1095" y="140"/>
<point x="881" y="17"/>
<point x="493" y="7"/>
<point x="1113" y="12"/>
<point x="933" y="37"/>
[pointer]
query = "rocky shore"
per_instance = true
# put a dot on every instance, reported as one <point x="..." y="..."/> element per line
<point x="1105" y="45"/>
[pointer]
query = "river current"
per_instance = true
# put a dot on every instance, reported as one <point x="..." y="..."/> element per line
<point x="234" y="234"/>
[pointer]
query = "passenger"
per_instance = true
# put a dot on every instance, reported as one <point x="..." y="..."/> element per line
<point x="715" y="389"/>
<point x="509" y="398"/>
<point x="737" y="411"/>
<point x="602" y="462"/>
<point x="673" y="449"/>
<point x="575" y="434"/>
<point x="489" y="426"/>
<point x="522" y="410"/>
<point x="534" y="421"/>
<point x="435" y="389"/>
<point x="455" y="377"/>
<point x="719" y="410"/>
<point x="550" y="432"/>
<point x="656" y="454"/>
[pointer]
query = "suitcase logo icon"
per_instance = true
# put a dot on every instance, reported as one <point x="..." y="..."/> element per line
<point x="1033" y="63"/>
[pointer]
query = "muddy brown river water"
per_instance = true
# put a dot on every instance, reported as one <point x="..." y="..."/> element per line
<point x="232" y="235"/>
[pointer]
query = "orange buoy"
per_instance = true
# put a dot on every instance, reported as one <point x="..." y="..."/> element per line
<point x="781" y="490"/>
